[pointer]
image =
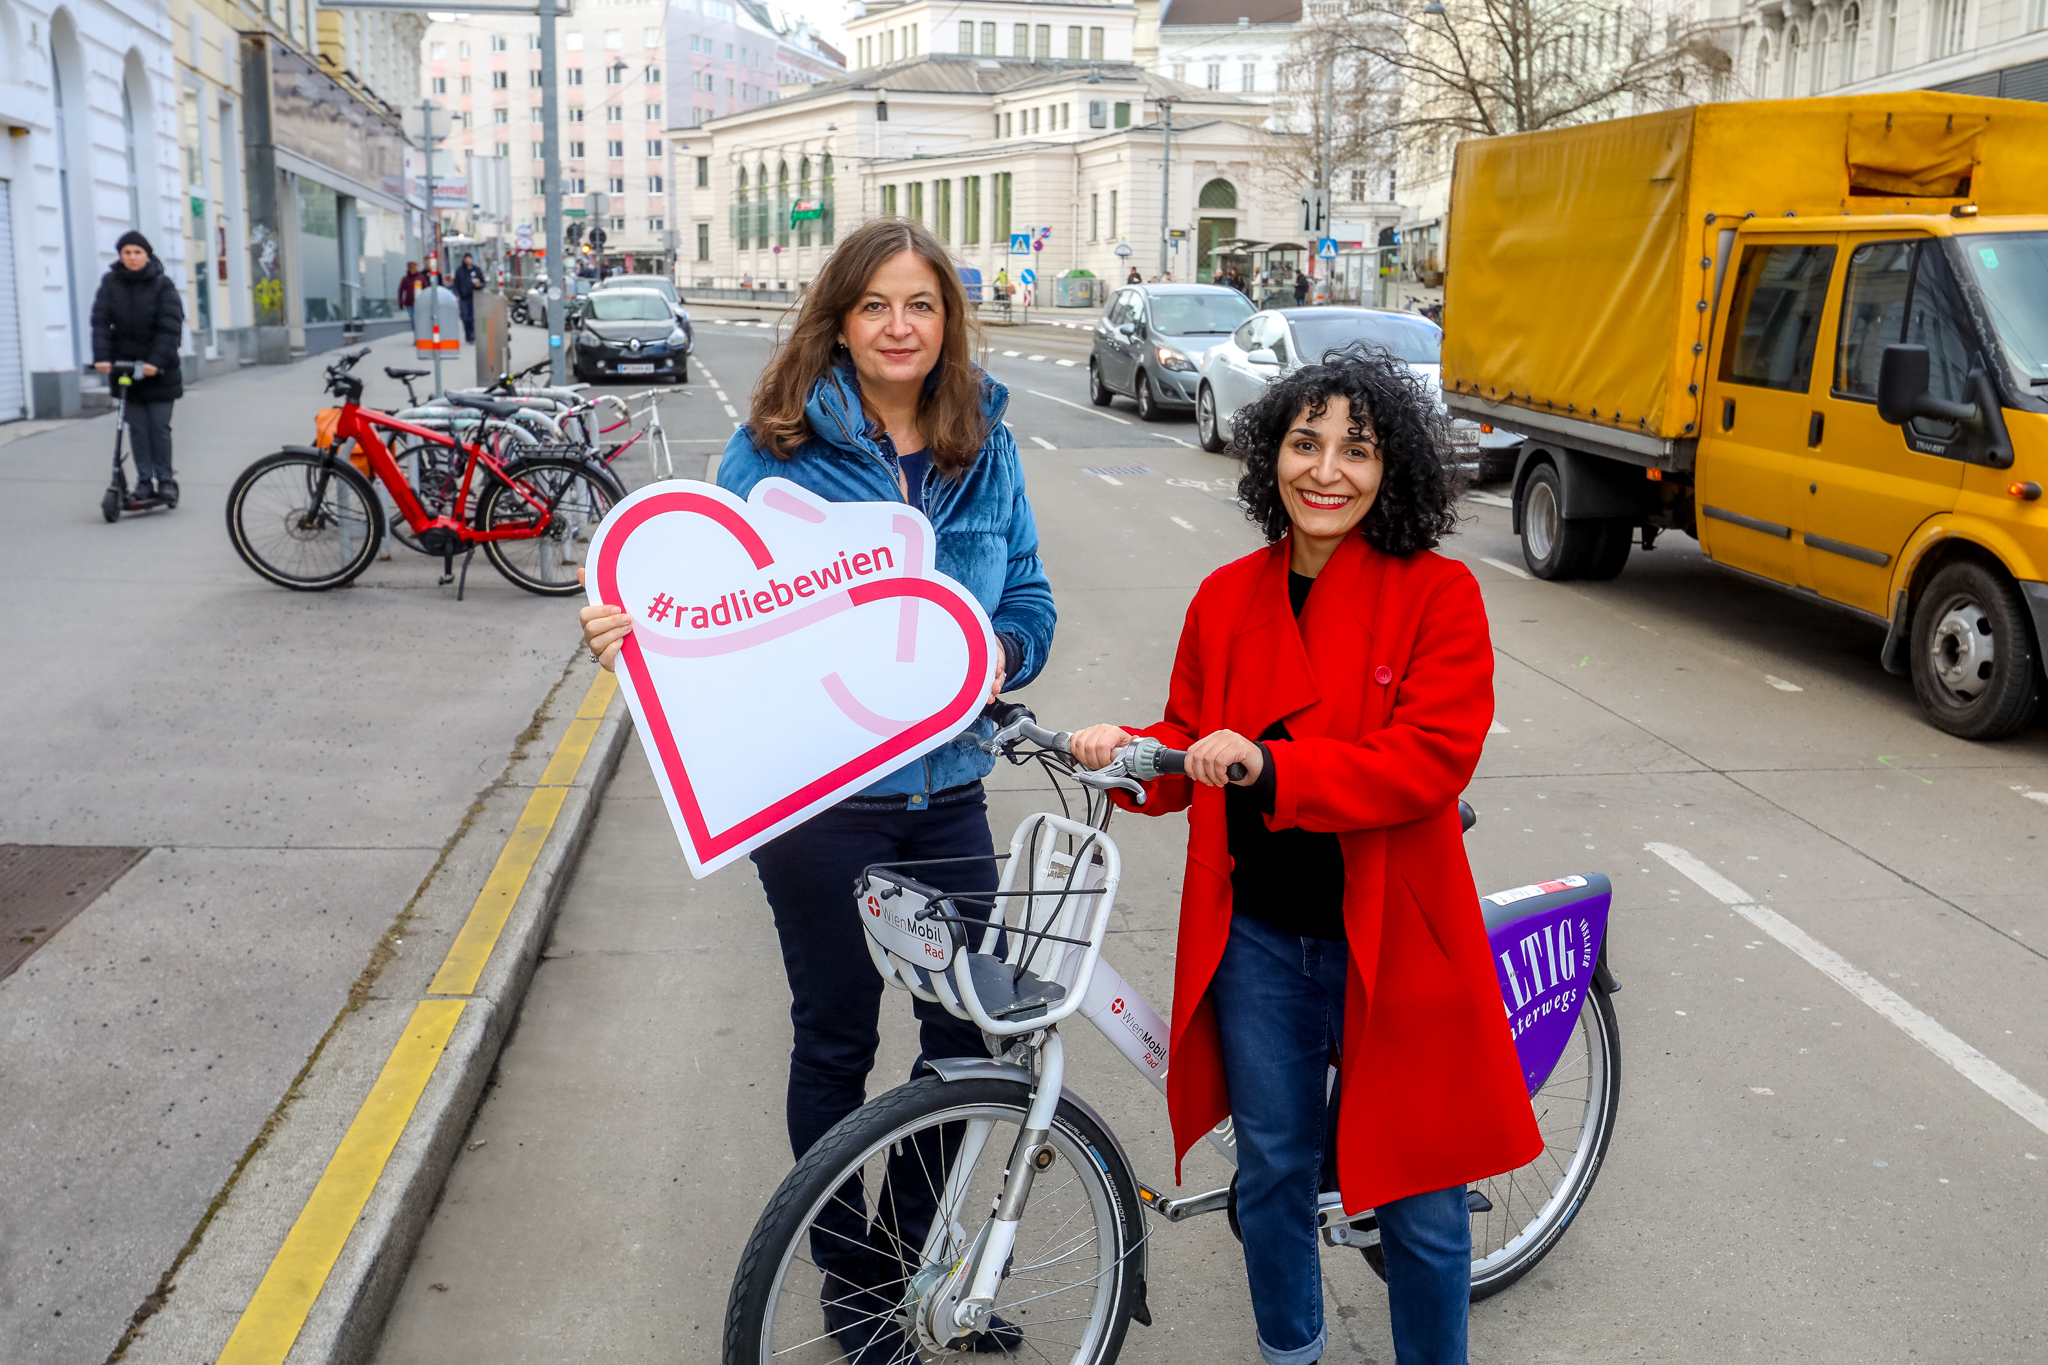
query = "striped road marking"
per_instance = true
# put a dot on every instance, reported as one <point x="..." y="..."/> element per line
<point x="1979" y="1070"/>
<point x="271" y="1323"/>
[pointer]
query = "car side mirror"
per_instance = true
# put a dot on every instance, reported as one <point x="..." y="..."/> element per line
<point x="1262" y="356"/>
<point x="1129" y="329"/>
<point x="1902" y="383"/>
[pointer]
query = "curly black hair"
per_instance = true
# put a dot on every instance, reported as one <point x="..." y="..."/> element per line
<point x="1419" y="483"/>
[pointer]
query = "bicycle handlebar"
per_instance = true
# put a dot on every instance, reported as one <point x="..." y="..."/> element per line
<point x="1143" y="760"/>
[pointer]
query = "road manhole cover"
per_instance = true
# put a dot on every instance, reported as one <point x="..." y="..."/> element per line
<point x="1119" y="469"/>
<point x="42" y="886"/>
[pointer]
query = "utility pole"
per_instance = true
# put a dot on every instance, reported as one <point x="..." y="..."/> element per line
<point x="1323" y="152"/>
<point x="1165" y="184"/>
<point x="551" y="172"/>
<point x="428" y="136"/>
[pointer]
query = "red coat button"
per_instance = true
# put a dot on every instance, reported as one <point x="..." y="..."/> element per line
<point x="1383" y="675"/>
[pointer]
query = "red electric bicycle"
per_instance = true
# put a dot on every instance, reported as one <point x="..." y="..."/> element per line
<point x="306" y="518"/>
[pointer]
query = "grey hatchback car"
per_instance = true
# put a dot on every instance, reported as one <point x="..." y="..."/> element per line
<point x="1150" y="341"/>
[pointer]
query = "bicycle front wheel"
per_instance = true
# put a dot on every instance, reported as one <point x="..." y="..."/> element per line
<point x="304" y="521"/>
<point x="852" y="1255"/>
<point x="560" y="502"/>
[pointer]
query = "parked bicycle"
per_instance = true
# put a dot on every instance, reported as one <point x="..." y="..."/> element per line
<point x="1002" y="1203"/>
<point x="306" y="518"/>
<point x="659" y="461"/>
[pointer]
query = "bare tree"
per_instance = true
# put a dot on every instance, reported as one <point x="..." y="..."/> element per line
<point x="1480" y="68"/>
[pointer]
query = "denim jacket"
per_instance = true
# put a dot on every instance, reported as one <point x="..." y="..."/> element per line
<point x="986" y="540"/>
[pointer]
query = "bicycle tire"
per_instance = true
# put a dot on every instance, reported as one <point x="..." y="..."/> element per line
<point x="1522" y="1248"/>
<point x="271" y="509"/>
<point x="577" y="500"/>
<point x="770" y="1288"/>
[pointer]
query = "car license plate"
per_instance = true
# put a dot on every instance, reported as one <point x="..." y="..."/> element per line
<point x="636" y="369"/>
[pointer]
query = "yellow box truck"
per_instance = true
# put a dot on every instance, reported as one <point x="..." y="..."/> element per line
<point x="1812" y="334"/>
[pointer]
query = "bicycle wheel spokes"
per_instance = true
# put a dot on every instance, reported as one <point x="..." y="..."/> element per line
<point x="1575" y="1109"/>
<point x="864" y="1268"/>
<point x="571" y="504"/>
<point x="302" y="523"/>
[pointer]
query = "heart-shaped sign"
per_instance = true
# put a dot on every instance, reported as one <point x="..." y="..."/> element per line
<point x="786" y="651"/>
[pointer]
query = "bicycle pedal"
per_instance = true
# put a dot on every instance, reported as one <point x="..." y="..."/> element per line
<point x="445" y="579"/>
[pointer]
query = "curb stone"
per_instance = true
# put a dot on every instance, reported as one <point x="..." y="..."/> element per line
<point x="346" y="1321"/>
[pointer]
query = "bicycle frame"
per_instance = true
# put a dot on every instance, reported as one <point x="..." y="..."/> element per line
<point x="358" y="425"/>
<point x="1025" y="972"/>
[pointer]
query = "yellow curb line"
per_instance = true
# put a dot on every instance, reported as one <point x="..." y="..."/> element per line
<point x="270" y="1325"/>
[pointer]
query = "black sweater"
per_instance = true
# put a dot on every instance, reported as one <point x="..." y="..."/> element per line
<point x="1292" y="879"/>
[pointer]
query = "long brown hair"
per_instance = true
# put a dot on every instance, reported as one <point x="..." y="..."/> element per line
<point x="949" y="413"/>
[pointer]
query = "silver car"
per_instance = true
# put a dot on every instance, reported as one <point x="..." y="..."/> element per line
<point x="1271" y="343"/>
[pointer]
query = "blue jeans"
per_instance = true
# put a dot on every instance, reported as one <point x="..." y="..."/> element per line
<point x="1280" y="1013"/>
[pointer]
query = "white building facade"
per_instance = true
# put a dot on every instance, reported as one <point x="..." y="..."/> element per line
<point x="86" y="93"/>
<point x="1009" y="127"/>
<point x="1784" y="49"/>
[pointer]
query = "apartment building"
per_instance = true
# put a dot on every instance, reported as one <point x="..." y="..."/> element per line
<point x="611" y="117"/>
<point x="729" y="55"/>
<point x="1971" y="47"/>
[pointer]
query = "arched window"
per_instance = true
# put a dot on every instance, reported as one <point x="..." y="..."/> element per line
<point x="1819" y="81"/>
<point x="803" y="191"/>
<point x="761" y="209"/>
<point x="1788" y="83"/>
<point x="1217" y="194"/>
<point x="1852" y="35"/>
<point x="1761" y="83"/>
<point x="1887" y="36"/>
<point x="782" y="203"/>
<point x="742" y="218"/>
<point x="128" y="154"/>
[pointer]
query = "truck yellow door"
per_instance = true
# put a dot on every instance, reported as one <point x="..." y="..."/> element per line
<point x="1758" y="407"/>
<point x="1870" y="484"/>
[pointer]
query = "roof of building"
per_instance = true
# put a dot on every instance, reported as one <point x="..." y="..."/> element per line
<point x="947" y="73"/>
<point x="1192" y="12"/>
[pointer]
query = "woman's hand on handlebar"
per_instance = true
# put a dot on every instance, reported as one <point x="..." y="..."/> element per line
<point x="1095" y="746"/>
<point x="605" y="629"/>
<point x="1210" y="757"/>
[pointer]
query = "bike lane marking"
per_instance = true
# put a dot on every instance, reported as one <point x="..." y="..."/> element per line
<point x="1987" y="1075"/>
<point x="270" y="1324"/>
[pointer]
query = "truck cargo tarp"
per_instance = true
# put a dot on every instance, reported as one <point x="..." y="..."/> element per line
<point x="1581" y="267"/>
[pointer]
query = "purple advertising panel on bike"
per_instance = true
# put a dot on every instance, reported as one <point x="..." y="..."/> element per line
<point x="1545" y="959"/>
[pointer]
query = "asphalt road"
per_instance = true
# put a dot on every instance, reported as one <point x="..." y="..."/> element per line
<point x="1800" y="1172"/>
<point x="294" y="763"/>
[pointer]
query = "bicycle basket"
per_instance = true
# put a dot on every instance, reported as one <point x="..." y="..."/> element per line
<point x="1013" y="960"/>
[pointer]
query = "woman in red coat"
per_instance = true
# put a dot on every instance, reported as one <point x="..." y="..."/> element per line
<point x="1328" y="907"/>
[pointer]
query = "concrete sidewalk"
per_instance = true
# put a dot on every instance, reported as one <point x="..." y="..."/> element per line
<point x="299" y="766"/>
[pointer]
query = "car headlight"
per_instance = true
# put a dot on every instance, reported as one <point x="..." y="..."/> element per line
<point x="1170" y="359"/>
<point x="678" y="337"/>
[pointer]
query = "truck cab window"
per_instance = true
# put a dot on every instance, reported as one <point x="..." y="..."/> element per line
<point x="1902" y="292"/>
<point x="1774" y="325"/>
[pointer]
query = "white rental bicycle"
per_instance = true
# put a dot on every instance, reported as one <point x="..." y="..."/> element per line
<point x="986" y="1208"/>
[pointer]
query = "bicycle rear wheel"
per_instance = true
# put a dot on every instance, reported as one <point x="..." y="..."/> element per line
<point x="573" y="501"/>
<point x="843" y="1264"/>
<point x="304" y="521"/>
<point x="1533" y="1205"/>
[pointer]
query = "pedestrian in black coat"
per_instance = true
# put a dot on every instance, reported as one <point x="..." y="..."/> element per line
<point x="137" y="315"/>
<point x="468" y="280"/>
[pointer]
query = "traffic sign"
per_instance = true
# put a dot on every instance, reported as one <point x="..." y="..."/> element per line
<point x="1315" y="212"/>
<point x="522" y="237"/>
<point x="1020" y="244"/>
<point x="1327" y="248"/>
<point x="1038" y="245"/>
<point x="1028" y="275"/>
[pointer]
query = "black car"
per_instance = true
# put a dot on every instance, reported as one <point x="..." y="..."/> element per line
<point x="1150" y="341"/>
<point x="627" y="333"/>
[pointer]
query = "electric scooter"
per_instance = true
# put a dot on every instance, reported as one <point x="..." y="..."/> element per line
<point x="116" y="499"/>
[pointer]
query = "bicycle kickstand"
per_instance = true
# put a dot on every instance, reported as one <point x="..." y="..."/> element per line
<point x="467" y="555"/>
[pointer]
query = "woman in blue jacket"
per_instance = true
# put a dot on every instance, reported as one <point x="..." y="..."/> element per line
<point x="876" y="398"/>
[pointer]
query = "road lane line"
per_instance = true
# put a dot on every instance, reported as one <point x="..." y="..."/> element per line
<point x="270" y="1324"/>
<point x="1175" y="439"/>
<point x="1781" y="684"/>
<point x="1012" y="354"/>
<point x="1034" y="357"/>
<point x="1489" y="499"/>
<point x="1111" y="480"/>
<point x="1068" y="363"/>
<point x="731" y="411"/>
<point x="1047" y="444"/>
<point x="1078" y="408"/>
<point x="1994" y="1080"/>
<point x="1184" y="525"/>
<point x="1508" y="568"/>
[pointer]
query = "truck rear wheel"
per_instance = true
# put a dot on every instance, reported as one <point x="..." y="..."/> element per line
<point x="1610" y="556"/>
<point x="1552" y="547"/>
<point x="1976" y="664"/>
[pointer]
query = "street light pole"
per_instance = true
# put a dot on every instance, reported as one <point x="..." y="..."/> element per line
<point x="551" y="173"/>
<point x="427" y="111"/>
<point x="1165" y="183"/>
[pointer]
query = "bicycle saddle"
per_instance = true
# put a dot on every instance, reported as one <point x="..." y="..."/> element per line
<point x="393" y="372"/>
<point x="484" y="405"/>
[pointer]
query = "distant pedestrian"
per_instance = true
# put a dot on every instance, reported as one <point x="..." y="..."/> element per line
<point x="409" y="286"/>
<point x="137" y="315"/>
<point x="1300" y="289"/>
<point x="468" y="280"/>
<point x="1135" y="277"/>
